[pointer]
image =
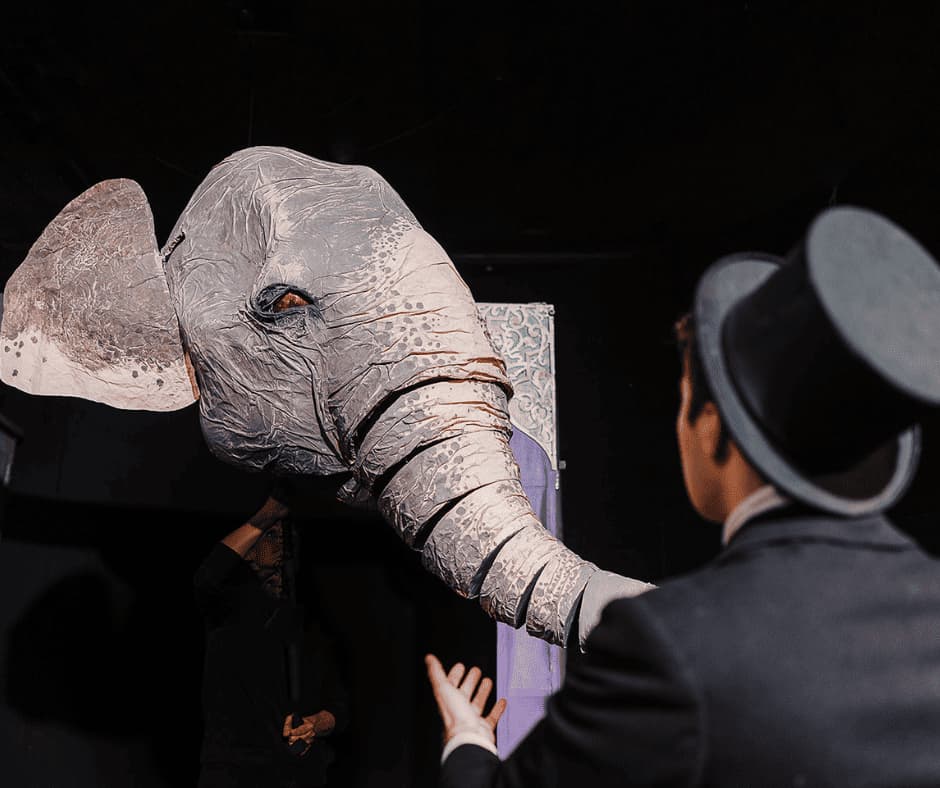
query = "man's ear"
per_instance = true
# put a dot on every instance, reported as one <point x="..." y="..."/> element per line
<point x="707" y="428"/>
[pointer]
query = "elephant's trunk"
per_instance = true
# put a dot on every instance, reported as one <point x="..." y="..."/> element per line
<point x="438" y="462"/>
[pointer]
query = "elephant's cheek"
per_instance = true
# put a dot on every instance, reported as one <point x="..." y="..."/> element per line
<point x="398" y="323"/>
<point x="258" y="407"/>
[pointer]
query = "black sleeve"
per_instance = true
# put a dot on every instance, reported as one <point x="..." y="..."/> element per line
<point x="210" y="580"/>
<point x="335" y="697"/>
<point x="626" y="715"/>
<point x="470" y="765"/>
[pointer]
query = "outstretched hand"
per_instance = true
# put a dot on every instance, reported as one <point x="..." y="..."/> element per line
<point x="461" y="696"/>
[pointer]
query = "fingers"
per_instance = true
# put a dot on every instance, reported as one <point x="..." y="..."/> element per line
<point x="307" y="737"/>
<point x="439" y="682"/>
<point x="436" y="676"/>
<point x="305" y="730"/>
<point x="470" y="682"/>
<point x="479" y="700"/>
<point x="435" y="669"/>
<point x="495" y="713"/>
<point x="301" y="731"/>
<point x="455" y="674"/>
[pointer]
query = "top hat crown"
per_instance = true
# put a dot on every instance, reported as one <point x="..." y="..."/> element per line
<point x="822" y="364"/>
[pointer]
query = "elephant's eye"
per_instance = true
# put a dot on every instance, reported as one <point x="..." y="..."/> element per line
<point x="275" y="300"/>
<point x="290" y="300"/>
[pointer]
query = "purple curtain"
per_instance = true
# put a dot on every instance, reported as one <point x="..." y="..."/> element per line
<point x="528" y="669"/>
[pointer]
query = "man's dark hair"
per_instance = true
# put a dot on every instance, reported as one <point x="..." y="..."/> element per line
<point x="700" y="391"/>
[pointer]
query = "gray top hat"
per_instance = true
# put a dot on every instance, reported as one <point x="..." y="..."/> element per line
<point x="823" y="364"/>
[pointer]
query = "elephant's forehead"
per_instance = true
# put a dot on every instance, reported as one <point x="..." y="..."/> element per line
<point x="262" y="199"/>
<point x="271" y="215"/>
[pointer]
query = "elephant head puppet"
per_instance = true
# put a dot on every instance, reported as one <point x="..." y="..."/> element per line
<point x="321" y="330"/>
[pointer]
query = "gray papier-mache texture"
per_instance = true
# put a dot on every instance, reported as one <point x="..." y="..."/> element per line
<point x="385" y="369"/>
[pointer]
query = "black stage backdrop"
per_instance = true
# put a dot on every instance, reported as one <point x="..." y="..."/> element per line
<point x="110" y="512"/>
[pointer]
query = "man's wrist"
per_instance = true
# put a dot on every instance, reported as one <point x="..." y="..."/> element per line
<point x="468" y="737"/>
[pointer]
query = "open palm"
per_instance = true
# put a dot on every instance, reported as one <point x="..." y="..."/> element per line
<point x="461" y="697"/>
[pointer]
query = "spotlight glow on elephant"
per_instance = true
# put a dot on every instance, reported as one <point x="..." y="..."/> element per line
<point x="327" y="332"/>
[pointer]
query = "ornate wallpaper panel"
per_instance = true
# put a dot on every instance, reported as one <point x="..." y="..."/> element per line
<point x="525" y="336"/>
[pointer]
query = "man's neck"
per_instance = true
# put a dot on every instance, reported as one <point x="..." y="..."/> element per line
<point x="761" y="500"/>
<point x="738" y="480"/>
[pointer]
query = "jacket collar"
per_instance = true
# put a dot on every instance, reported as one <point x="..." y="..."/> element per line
<point x="761" y="500"/>
<point x="798" y="523"/>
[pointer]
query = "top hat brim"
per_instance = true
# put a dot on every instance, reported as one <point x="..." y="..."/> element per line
<point x="871" y="485"/>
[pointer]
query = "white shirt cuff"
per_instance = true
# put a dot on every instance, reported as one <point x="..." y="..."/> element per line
<point x="468" y="737"/>
<point x="602" y="588"/>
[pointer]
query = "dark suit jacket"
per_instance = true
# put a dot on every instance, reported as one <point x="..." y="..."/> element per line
<point x="806" y="654"/>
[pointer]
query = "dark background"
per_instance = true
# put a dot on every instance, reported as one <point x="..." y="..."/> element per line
<point x="597" y="159"/>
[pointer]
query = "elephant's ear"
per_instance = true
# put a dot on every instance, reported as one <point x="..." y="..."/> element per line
<point x="88" y="312"/>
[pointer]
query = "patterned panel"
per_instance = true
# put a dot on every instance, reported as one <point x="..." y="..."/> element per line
<point x="525" y="336"/>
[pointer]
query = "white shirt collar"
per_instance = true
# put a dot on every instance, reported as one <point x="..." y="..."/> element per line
<point x="763" y="499"/>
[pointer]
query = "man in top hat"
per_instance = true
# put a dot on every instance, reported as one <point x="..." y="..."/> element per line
<point x="808" y="652"/>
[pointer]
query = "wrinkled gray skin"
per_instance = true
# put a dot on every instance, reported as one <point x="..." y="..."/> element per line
<point x="387" y="372"/>
<point x="288" y="391"/>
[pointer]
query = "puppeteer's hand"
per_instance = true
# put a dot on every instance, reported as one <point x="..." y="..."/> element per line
<point x="461" y="697"/>
<point x="272" y="511"/>
<point x="305" y="732"/>
<point x="323" y="722"/>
